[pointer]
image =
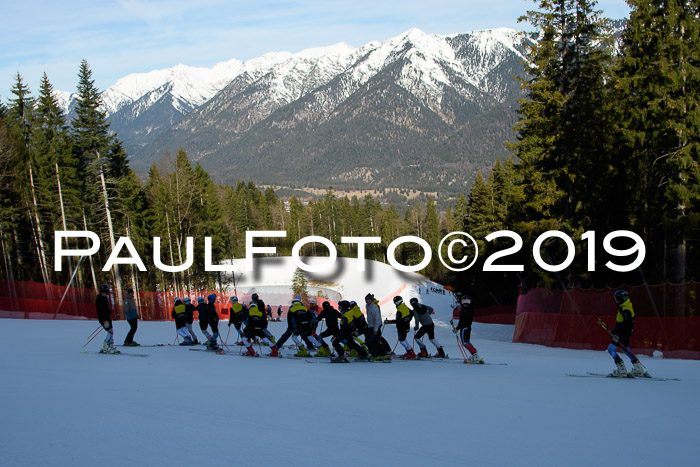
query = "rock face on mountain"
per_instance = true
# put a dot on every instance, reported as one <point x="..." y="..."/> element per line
<point x="415" y="111"/>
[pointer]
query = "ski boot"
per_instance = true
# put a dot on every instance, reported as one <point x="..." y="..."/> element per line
<point x="108" y="348"/>
<point x="187" y="341"/>
<point x="409" y="355"/>
<point x="475" y="358"/>
<point x="212" y="345"/>
<point x="274" y="352"/>
<point x="440" y="354"/>
<point x="621" y="370"/>
<point x="195" y="341"/>
<point x="302" y="352"/>
<point x="250" y="352"/>
<point x="423" y="353"/>
<point x="340" y="359"/>
<point x="638" y="370"/>
<point x="323" y="352"/>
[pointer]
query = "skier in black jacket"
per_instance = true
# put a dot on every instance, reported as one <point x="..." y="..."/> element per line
<point x="261" y="306"/>
<point x="104" y="316"/>
<point x="331" y="315"/>
<point x="464" y="327"/>
<point x="213" y="318"/>
<point x="203" y="313"/>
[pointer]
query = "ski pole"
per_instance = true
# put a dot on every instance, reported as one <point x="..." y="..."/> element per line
<point x="619" y="344"/>
<point x="459" y="342"/>
<point x="95" y="331"/>
<point x="96" y="334"/>
<point x="229" y="332"/>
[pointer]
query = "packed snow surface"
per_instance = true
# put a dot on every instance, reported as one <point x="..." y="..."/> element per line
<point x="181" y="407"/>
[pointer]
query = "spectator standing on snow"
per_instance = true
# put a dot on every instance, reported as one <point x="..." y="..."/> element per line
<point x="132" y="317"/>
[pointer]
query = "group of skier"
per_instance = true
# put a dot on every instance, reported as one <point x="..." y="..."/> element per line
<point x="343" y="326"/>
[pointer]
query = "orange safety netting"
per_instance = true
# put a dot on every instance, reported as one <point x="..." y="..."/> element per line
<point x="34" y="300"/>
<point x="667" y="318"/>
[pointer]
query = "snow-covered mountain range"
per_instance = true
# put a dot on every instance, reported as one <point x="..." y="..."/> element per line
<point x="418" y="92"/>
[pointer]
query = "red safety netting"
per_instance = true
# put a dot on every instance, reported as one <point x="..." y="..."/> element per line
<point x="34" y="300"/>
<point x="667" y="318"/>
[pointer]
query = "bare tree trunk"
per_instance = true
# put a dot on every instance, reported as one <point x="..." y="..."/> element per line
<point x="134" y="283"/>
<point x="170" y="242"/>
<point x="63" y="221"/>
<point x="92" y="265"/>
<point x="40" y="243"/>
<point x="110" y="228"/>
<point x="20" y="264"/>
<point x="8" y="271"/>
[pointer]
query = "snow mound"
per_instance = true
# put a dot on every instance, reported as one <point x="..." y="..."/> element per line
<point x="271" y="279"/>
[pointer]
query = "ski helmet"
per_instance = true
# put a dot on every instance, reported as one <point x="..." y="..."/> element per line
<point x="186" y="301"/>
<point x="325" y="305"/>
<point x="353" y="303"/>
<point x="621" y="296"/>
<point x="234" y="299"/>
<point x="200" y="300"/>
<point x="398" y="300"/>
<point x="344" y="305"/>
<point x="254" y="297"/>
<point x="177" y="299"/>
<point x="211" y="298"/>
<point x="313" y="300"/>
<point x="104" y="288"/>
<point x="413" y="301"/>
<point x="465" y="300"/>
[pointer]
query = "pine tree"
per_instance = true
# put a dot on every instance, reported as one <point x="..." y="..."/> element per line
<point x="299" y="283"/>
<point x="98" y="154"/>
<point x="21" y="119"/>
<point x="58" y="183"/>
<point x="562" y="134"/>
<point x="658" y="85"/>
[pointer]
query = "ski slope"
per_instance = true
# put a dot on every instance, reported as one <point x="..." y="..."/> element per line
<point x="180" y="407"/>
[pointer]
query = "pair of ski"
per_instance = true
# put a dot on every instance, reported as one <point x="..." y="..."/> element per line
<point x="629" y="376"/>
<point x="140" y="355"/>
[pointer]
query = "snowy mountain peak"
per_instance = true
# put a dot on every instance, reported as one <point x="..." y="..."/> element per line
<point x="190" y="87"/>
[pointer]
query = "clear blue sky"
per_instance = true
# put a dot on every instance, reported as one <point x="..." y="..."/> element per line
<point x="131" y="36"/>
